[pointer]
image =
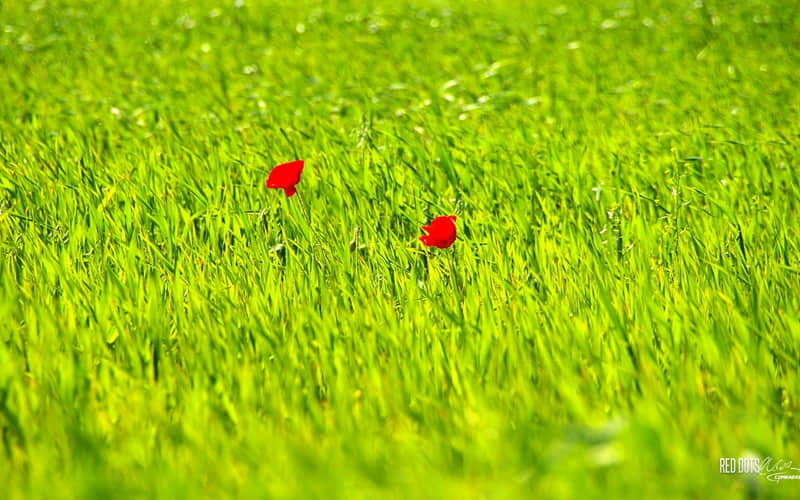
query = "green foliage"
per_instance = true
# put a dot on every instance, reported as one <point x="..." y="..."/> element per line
<point x="620" y="309"/>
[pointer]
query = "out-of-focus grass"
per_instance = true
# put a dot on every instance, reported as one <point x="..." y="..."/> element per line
<point x="619" y="311"/>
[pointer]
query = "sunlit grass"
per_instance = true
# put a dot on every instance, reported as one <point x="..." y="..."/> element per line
<point x="618" y="312"/>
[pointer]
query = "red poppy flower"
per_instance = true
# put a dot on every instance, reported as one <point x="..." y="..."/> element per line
<point x="441" y="232"/>
<point x="286" y="176"/>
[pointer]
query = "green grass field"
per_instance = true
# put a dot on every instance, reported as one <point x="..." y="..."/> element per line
<point x="618" y="313"/>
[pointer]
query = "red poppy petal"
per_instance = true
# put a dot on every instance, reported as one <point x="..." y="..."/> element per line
<point x="442" y="232"/>
<point x="285" y="176"/>
<point x="296" y="165"/>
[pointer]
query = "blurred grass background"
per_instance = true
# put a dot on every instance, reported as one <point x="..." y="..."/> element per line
<point x="618" y="313"/>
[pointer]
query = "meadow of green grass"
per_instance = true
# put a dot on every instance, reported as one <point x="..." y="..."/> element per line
<point x="620" y="309"/>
